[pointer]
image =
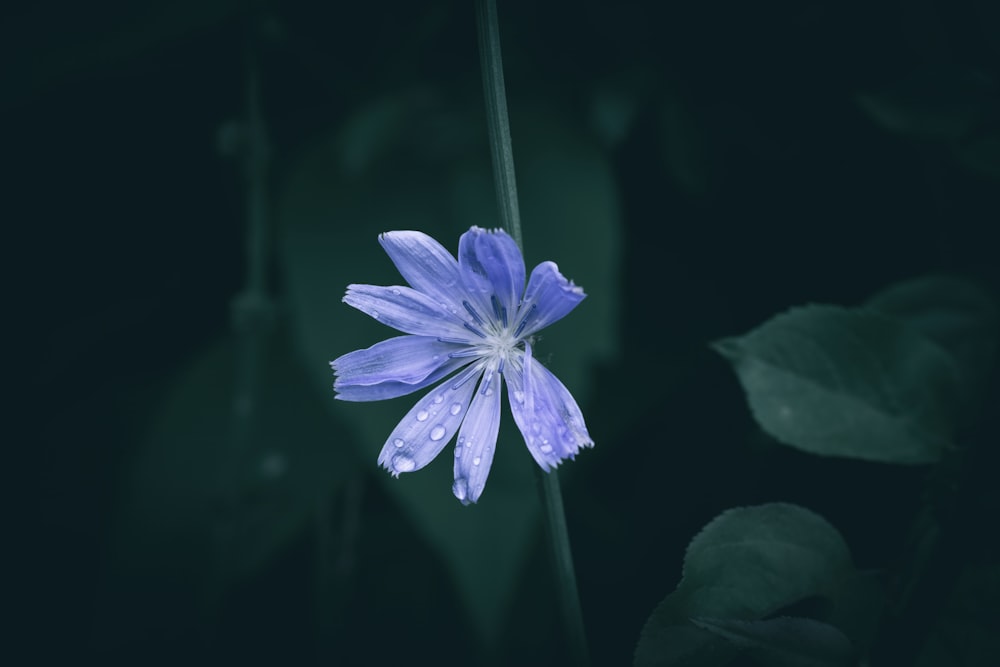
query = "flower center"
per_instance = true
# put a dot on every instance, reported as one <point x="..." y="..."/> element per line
<point x="499" y="340"/>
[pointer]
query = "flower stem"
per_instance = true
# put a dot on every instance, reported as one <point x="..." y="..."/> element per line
<point x="510" y="217"/>
<point x="496" y="117"/>
<point x="569" y="597"/>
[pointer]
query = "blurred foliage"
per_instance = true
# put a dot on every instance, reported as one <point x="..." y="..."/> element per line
<point x="958" y="315"/>
<point x="696" y="167"/>
<point x="957" y="110"/>
<point x="965" y="633"/>
<point x="218" y="489"/>
<point x="748" y="565"/>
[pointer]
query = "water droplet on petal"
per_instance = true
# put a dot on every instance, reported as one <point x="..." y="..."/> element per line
<point x="546" y="448"/>
<point x="402" y="463"/>
<point x="455" y="408"/>
<point x="422" y="416"/>
<point x="460" y="488"/>
<point x="374" y="314"/>
<point x="396" y="292"/>
<point x="489" y="391"/>
<point x="438" y="399"/>
<point x="437" y="432"/>
<point x="519" y="396"/>
<point x="458" y="451"/>
<point x="476" y="461"/>
<point x="536" y="427"/>
<point x="398" y="442"/>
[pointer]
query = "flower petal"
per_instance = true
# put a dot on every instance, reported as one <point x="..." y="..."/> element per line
<point x="549" y="298"/>
<point x="491" y="264"/>
<point x="394" y="367"/>
<point x="477" y="439"/>
<point x="425" y="264"/>
<point x="546" y="413"/>
<point x="429" y="425"/>
<point x="407" y="310"/>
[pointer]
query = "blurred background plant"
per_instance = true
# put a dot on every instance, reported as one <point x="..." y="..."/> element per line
<point x="179" y="241"/>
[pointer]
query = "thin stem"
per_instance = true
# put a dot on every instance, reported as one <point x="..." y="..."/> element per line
<point x="506" y="189"/>
<point x="496" y="117"/>
<point x="569" y="597"/>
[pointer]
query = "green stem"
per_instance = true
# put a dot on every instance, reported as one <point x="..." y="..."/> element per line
<point x="569" y="597"/>
<point x="506" y="190"/>
<point x="496" y="117"/>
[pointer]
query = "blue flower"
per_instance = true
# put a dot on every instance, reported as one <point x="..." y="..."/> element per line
<point x="470" y="321"/>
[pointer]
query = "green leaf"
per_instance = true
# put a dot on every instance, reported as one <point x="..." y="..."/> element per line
<point x="210" y="500"/>
<point x="746" y="564"/>
<point x="851" y="383"/>
<point x="956" y="314"/>
<point x="330" y="222"/>
<point x="785" y="641"/>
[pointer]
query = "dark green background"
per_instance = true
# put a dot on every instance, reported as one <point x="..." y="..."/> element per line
<point x="750" y="179"/>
